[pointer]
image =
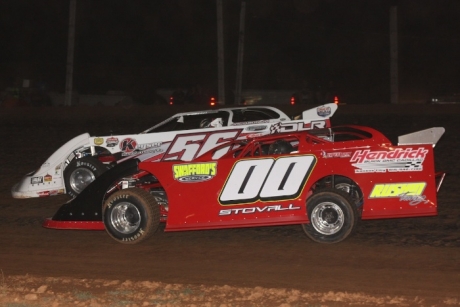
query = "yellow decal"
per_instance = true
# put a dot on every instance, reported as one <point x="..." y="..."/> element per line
<point x="397" y="189"/>
<point x="195" y="172"/>
<point x="98" y="141"/>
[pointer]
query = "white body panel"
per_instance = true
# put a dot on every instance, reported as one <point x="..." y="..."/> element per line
<point x="49" y="178"/>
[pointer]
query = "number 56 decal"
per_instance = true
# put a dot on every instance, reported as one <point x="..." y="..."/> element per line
<point x="266" y="179"/>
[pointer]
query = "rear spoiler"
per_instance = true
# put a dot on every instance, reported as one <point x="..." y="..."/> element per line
<point x="321" y="112"/>
<point x="427" y="136"/>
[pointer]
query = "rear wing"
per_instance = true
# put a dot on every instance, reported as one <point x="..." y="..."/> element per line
<point x="427" y="136"/>
<point x="321" y="112"/>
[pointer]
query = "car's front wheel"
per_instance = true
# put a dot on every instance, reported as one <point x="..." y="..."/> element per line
<point x="80" y="173"/>
<point x="131" y="215"/>
<point x="332" y="214"/>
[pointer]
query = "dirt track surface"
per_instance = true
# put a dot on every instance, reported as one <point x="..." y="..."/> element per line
<point x="401" y="262"/>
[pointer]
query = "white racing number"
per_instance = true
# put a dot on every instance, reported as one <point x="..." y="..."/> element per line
<point x="267" y="179"/>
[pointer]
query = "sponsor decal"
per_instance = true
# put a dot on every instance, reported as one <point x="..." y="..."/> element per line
<point x="36" y="180"/>
<point x="194" y="172"/>
<point x="253" y="135"/>
<point x="148" y="145"/>
<point x="186" y="147"/>
<point x="98" y="141"/>
<point x="266" y="179"/>
<point x="57" y="170"/>
<point x="50" y="193"/>
<point x="138" y="152"/>
<point x="398" y="160"/>
<point x="386" y="190"/>
<point x="251" y="122"/>
<point x="411" y="192"/>
<point x="48" y="178"/>
<point x="252" y="210"/>
<point x="414" y="200"/>
<point x="111" y="141"/>
<point x="323" y="111"/>
<point x="299" y="126"/>
<point x="128" y="145"/>
<point x="336" y="154"/>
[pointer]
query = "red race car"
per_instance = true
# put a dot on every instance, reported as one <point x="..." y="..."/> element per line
<point x="325" y="180"/>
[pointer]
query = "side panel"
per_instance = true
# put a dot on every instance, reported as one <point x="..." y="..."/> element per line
<point x="234" y="193"/>
<point x="396" y="181"/>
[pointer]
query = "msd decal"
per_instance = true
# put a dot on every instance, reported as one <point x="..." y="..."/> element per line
<point x="399" y="160"/>
<point x="187" y="147"/>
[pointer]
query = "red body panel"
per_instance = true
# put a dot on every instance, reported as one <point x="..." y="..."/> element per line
<point x="396" y="181"/>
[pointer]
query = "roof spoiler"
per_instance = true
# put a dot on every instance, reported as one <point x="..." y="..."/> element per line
<point x="320" y="112"/>
<point x="427" y="136"/>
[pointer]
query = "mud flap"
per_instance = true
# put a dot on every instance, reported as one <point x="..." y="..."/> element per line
<point x="85" y="210"/>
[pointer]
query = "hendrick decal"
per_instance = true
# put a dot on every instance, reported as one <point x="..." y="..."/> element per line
<point x="398" y="160"/>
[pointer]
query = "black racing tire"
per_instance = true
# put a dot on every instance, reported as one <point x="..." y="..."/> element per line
<point x="332" y="214"/>
<point x="80" y="173"/>
<point x="131" y="215"/>
<point x="348" y="186"/>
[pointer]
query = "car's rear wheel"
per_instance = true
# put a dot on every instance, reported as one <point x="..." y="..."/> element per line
<point x="80" y="173"/>
<point x="332" y="214"/>
<point x="131" y="215"/>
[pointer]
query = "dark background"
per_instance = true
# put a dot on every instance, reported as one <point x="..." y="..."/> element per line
<point x="139" y="46"/>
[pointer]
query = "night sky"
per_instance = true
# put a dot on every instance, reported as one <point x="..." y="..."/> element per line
<point x="138" y="46"/>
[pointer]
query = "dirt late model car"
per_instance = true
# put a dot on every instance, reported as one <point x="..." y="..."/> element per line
<point x="322" y="179"/>
<point x="184" y="136"/>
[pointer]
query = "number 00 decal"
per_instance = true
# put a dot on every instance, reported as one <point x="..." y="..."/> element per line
<point x="267" y="179"/>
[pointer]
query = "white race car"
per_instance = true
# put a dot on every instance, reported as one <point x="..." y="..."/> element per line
<point x="184" y="136"/>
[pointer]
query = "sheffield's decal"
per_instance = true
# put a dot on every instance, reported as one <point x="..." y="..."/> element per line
<point x="195" y="172"/>
<point x="252" y="210"/>
<point x="47" y="178"/>
<point x="266" y="179"/>
<point x="398" y="160"/>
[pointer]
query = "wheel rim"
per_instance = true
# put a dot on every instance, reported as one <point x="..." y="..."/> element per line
<point x="125" y="218"/>
<point x="327" y="218"/>
<point x="80" y="179"/>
